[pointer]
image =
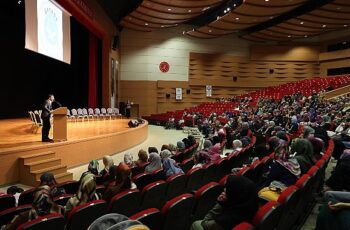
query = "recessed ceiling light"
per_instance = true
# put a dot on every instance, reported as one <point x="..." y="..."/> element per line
<point x="301" y="23"/>
<point x="338" y="8"/>
<point x="267" y="0"/>
<point x="206" y="8"/>
<point x="237" y="18"/>
<point x="271" y="17"/>
<point x="234" y="5"/>
<point x="169" y="9"/>
<point x="345" y="25"/>
<point x="228" y="9"/>
<point x="224" y="11"/>
<point x="289" y="36"/>
<point x="324" y="26"/>
<point x="183" y="32"/>
<point x="210" y="31"/>
<point x="218" y="17"/>
<point x="344" y="43"/>
<point x="189" y="11"/>
<point x="146" y="24"/>
<point x="176" y="24"/>
<point x="305" y="36"/>
<point x="162" y="26"/>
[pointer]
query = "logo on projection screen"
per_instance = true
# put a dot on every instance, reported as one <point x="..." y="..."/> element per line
<point x="50" y="30"/>
<point x="164" y="66"/>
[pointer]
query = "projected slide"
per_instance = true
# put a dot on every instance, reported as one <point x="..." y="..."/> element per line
<point x="50" y="32"/>
<point x="48" y="29"/>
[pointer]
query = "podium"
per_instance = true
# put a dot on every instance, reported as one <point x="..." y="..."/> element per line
<point x="60" y="124"/>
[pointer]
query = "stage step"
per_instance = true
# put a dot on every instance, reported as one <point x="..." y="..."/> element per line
<point x="37" y="157"/>
<point x="34" y="165"/>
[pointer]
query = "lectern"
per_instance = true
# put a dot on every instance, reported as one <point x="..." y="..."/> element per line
<point x="60" y="124"/>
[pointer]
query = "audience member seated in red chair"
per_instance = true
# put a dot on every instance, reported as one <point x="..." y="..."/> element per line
<point x="122" y="182"/>
<point x="42" y="205"/>
<point x="155" y="163"/>
<point x="284" y="171"/>
<point x="93" y="167"/>
<point x="200" y="158"/>
<point x="49" y="180"/>
<point x="237" y="203"/>
<point x="143" y="158"/>
<point x="128" y="159"/>
<point x="335" y="214"/>
<point x="304" y="153"/>
<point x="170" y="168"/>
<point x="108" y="163"/>
<point x="85" y="193"/>
<point x="214" y="153"/>
<point x="340" y="178"/>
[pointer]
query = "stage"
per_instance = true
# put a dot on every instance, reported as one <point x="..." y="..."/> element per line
<point x="86" y="141"/>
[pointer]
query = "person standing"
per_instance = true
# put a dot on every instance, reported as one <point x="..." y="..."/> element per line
<point x="45" y="116"/>
<point x="128" y="109"/>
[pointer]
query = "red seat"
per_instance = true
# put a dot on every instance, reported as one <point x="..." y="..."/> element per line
<point x="243" y="226"/>
<point x="194" y="180"/>
<point x="150" y="217"/>
<point x="51" y="221"/>
<point x="126" y="203"/>
<point x="71" y="187"/>
<point x="158" y="175"/>
<point x="223" y="168"/>
<point x="142" y="179"/>
<point x="62" y="200"/>
<point x="7" y="201"/>
<point x="267" y="216"/>
<point x="153" y="195"/>
<point x="206" y="197"/>
<point x="187" y="164"/>
<point x="7" y="215"/>
<point x="26" y="197"/>
<point x="83" y="215"/>
<point x="177" y="212"/>
<point x="289" y="199"/>
<point x="176" y="185"/>
<point x="209" y="174"/>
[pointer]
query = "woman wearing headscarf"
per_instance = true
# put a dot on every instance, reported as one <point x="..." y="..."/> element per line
<point x="237" y="203"/>
<point x="49" y="180"/>
<point x="237" y="146"/>
<point x="143" y="158"/>
<point x="308" y="132"/>
<point x="93" y="167"/>
<point x="152" y="150"/>
<point x="304" y="153"/>
<point x="128" y="159"/>
<point x="200" y="158"/>
<point x="318" y="147"/>
<point x="108" y="162"/>
<point x="192" y="140"/>
<point x="155" y="163"/>
<point x="170" y="168"/>
<point x="85" y="193"/>
<point x="284" y="171"/>
<point x="122" y="182"/>
<point x="214" y="153"/>
<point x="165" y="154"/>
<point x="340" y="177"/>
<point x="42" y="205"/>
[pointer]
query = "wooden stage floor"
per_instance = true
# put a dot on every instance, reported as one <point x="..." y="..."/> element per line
<point x="86" y="141"/>
<point x="17" y="133"/>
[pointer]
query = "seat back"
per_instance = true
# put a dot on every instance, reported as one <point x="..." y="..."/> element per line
<point x="244" y="226"/>
<point x="80" y="112"/>
<point x="26" y="197"/>
<point x="176" y="185"/>
<point x="210" y="173"/>
<point x="7" y="215"/>
<point x="103" y="111"/>
<point x="62" y="200"/>
<point x="194" y="179"/>
<point x="97" y="111"/>
<point x="83" y="215"/>
<point x="110" y="111"/>
<point x="51" y="221"/>
<point x="158" y="175"/>
<point x="186" y="165"/>
<point x="7" y="201"/>
<point x="150" y="217"/>
<point x="126" y="202"/>
<point x="206" y="197"/>
<point x="142" y="179"/>
<point x="153" y="195"/>
<point x="71" y="187"/>
<point x="222" y="168"/>
<point x="289" y="199"/>
<point x="85" y="112"/>
<point x="90" y="111"/>
<point x="267" y="216"/>
<point x="74" y="112"/>
<point x="177" y="212"/>
<point x="116" y="111"/>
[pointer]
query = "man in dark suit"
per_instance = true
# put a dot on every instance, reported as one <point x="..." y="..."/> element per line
<point x="45" y="116"/>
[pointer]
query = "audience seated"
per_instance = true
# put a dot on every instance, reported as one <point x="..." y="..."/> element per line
<point x="42" y="205"/>
<point x="335" y="213"/>
<point x="200" y="158"/>
<point x="93" y="167"/>
<point x="49" y="180"/>
<point x="169" y="167"/>
<point x="304" y="153"/>
<point x="340" y="177"/>
<point x="237" y="203"/>
<point x="128" y="159"/>
<point x="152" y="150"/>
<point x="108" y="163"/>
<point x="143" y="158"/>
<point x="85" y="193"/>
<point x="122" y="182"/>
<point x="284" y="171"/>
<point x="155" y="163"/>
<point x="214" y="153"/>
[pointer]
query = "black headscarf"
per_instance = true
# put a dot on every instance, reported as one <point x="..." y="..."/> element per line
<point x="241" y="204"/>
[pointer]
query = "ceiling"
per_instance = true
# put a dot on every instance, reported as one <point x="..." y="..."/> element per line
<point x="255" y="20"/>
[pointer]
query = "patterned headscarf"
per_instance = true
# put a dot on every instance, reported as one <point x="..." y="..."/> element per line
<point x="108" y="162"/>
<point x="86" y="191"/>
<point x="155" y="163"/>
<point x="128" y="159"/>
<point x="93" y="167"/>
<point x="43" y="203"/>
